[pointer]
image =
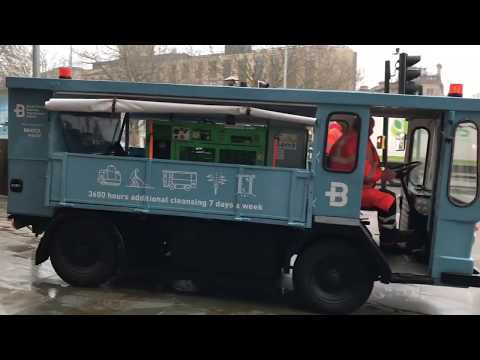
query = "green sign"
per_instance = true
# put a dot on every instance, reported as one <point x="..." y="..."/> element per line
<point x="399" y="127"/>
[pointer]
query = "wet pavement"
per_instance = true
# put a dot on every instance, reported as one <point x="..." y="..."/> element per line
<point x="29" y="289"/>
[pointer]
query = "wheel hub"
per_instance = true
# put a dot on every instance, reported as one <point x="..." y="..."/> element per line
<point x="82" y="252"/>
<point x="330" y="277"/>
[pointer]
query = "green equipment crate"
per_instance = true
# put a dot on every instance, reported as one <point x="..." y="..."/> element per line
<point x="231" y="144"/>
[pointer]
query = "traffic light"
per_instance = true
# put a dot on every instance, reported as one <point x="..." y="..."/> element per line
<point x="380" y="142"/>
<point x="406" y="75"/>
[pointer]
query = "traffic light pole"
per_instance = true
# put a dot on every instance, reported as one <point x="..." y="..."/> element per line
<point x="385" y="120"/>
<point x="402" y="72"/>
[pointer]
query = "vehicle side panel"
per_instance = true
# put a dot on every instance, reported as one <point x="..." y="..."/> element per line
<point x="28" y="151"/>
<point x="243" y="193"/>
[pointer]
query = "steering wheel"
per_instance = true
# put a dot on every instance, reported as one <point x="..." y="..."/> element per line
<point x="404" y="169"/>
<point x="402" y="172"/>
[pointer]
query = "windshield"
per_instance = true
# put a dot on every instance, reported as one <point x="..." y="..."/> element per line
<point x="89" y="134"/>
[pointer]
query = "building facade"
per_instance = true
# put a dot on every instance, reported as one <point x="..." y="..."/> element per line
<point x="309" y="67"/>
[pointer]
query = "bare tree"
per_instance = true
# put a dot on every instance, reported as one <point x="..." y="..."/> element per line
<point x="55" y="60"/>
<point x="276" y="62"/>
<point x="191" y="51"/>
<point x="137" y="63"/>
<point x="334" y="70"/>
<point x="211" y="50"/>
<point x="310" y="67"/>
<point x="275" y="73"/>
<point x="15" y="60"/>
<point x="359" y="76"/>
<point x="266" y="63"/>
<point x="43" y="61"/>
<point x="255" y="66"/>
<point x="315" y="67"/>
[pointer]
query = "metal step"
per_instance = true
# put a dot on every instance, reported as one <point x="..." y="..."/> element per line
<point x="406" y="278"/>
<point x="460" y="279"/>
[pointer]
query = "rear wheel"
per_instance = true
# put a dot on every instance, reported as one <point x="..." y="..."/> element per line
<point x="331" y="278"/>
<point x="83" y="252"/>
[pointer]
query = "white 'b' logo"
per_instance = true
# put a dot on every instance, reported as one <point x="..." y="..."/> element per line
<point x="337" y="194"/>
<point x="19" y="110"/>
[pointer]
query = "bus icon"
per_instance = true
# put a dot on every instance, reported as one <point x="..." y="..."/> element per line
<point x="182" y="180"/>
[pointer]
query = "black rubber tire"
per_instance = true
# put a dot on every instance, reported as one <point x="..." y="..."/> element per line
<point x="89" y="269"/>
<point x="350" y="290"/>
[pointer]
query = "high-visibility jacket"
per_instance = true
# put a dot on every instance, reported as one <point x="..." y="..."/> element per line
<point x="344" y="154"/>
<point x="373" y="171"/>
<point x="334" y="133"/>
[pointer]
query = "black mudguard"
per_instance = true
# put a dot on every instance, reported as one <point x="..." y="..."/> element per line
<point x="43" y="250"/>
<point x="356" y="235"/>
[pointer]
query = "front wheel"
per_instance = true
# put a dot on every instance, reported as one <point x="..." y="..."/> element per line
<point x="83" y="252"/>
<point x="332" y="278"/>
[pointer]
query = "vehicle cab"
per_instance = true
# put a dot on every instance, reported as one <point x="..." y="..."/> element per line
<point x="438" y="194"/>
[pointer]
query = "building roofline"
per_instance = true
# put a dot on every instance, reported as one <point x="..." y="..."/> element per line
<point x="184" y="56"/>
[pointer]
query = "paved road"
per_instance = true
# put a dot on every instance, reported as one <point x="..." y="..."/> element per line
<point x="29" y="289"/>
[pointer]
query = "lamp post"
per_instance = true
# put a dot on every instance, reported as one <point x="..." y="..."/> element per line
<point x="35" y="60"/>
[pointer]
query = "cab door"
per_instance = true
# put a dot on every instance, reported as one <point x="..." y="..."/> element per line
<point x="338" y="193"/>
<point x="422" y="146"/>
<point x="456" y="206"/>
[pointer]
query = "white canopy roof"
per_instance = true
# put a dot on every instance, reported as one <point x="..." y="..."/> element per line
<point x="151" y="107"/>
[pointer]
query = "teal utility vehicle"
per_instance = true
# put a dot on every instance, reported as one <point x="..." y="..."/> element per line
<point x="237" y="183"/>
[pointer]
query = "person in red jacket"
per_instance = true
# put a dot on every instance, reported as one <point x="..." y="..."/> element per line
<point x="343" y="156"/>
<point x="335" y="132"/>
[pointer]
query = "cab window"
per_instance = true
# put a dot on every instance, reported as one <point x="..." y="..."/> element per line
<point x="89" y="134"/>
<point x="462" y="188"/>
<point x="137" y="138"/>
<point x="341" y="144"/>
<point x="419" y="149"/>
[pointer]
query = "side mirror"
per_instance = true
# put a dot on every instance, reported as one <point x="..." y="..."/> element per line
<point x="380" y="142"/>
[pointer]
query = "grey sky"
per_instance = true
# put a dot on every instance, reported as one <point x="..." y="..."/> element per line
<point x="459" y="62"/>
